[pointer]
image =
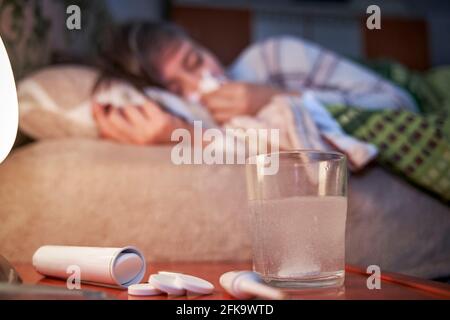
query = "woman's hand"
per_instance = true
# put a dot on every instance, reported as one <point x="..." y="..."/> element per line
<point x="140" y="125"/>
<point x="238" y="98"/>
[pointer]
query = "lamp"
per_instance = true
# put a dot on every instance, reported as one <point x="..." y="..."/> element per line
<point x="9" y="111"/>
<point x="9" y="121"/>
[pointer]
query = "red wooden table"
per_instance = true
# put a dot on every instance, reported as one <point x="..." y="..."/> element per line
<point x="393" y="286"/>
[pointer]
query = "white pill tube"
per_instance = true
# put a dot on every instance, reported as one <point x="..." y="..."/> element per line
<point x="248" y="285"/>
<point x="117" y="267"/>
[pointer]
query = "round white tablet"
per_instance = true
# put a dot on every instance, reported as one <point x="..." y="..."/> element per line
<point x="170" y="273"/>
<point x="143" y="289"/>
<point x="166" y="283"/>
<point x="195" y="285"/>
<point x="191" y="283"/>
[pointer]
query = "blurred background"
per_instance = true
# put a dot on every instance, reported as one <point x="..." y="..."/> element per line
<point x="414" y="32"/>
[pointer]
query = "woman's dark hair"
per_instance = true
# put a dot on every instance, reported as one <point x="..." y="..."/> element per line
<point x="133" y="51"/>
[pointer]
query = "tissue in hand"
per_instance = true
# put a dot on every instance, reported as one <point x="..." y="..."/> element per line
<point x="120" y="95"/>
<point x="208" y="83"/>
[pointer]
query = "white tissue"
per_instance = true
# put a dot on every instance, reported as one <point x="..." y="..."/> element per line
<point x="120" y="95"/>
<point x="208" y="83"/>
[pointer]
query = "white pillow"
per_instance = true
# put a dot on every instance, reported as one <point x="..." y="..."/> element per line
<point x="55" y="102"/>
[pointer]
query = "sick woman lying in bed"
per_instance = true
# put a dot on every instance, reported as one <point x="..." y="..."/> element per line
<point x="317" y="98"/>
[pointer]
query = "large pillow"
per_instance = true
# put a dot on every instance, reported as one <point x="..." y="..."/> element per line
<point x="55" y="102"/>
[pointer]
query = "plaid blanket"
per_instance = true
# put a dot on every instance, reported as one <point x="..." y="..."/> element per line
<point x="414" y="145"/>
<point x="401" y="113"/>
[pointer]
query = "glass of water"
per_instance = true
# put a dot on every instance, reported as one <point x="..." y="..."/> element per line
<point x="298" y="215"/>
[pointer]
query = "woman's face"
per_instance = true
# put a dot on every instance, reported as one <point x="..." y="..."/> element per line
<point x="182" y="68"/>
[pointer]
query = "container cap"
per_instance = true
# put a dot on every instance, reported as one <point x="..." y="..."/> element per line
<point x="128" y="267"/>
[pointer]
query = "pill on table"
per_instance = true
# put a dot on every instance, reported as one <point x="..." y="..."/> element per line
<point x="191" y="283"/>
<point x="166" y="283"/>
<point x="143" y="289"/>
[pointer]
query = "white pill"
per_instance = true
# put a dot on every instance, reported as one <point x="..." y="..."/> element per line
<point x="195" y="285"/>
<point x="166" y="283"/>
<point x="143" y="289"/>
<point x="169" y="273"/>
<point x="191" y="283"/>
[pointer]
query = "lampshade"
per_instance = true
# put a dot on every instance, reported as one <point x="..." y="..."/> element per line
<point x="9" y="113"/>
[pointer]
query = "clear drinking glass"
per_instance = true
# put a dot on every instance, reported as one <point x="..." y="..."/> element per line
<point x="298" y="217"/>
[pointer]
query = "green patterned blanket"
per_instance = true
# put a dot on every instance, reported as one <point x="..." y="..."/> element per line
<point x="413" y="145"/>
